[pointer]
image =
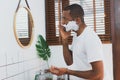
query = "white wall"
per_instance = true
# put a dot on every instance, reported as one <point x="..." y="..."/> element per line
<point x="17" y="63"/>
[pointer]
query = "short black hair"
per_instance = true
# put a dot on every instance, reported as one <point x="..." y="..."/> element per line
<point x="75" y="11"/>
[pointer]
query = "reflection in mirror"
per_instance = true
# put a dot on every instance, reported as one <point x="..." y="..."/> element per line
<point x="23" y="25"/>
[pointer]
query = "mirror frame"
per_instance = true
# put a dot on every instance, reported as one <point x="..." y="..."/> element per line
<point x="32" y="27"/>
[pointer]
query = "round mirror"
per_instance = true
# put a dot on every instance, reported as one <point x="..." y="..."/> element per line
<point x="23" y="26"/>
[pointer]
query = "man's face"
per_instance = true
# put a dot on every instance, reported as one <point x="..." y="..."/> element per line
<point x="66" y="17"/>
<point x="68" y="22"/>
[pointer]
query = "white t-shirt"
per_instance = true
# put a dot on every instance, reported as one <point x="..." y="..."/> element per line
<point x="86" y="48"/>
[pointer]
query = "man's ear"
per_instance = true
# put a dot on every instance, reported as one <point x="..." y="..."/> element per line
<point x="78" y="20"/>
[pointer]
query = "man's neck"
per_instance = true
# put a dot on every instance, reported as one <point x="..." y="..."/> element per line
<point x="81" y="29"/>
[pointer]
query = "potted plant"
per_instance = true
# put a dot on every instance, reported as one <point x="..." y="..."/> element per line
<point x="43" y="51"/>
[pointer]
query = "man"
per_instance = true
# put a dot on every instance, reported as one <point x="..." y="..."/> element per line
<point x="84" y="59"/>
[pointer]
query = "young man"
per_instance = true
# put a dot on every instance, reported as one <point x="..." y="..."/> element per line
<point x="85" y="56"/>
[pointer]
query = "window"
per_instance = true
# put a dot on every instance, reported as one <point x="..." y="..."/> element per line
<point x="97" y="16"/>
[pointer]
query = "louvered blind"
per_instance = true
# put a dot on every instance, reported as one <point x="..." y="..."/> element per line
<point x="97" y="16"/>
<point x="23" y="26"/>
<point x="22" y="23"/>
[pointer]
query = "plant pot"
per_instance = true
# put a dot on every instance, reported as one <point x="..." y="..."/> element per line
<point x="44" y="75"/>
<point x="62" y="77"/>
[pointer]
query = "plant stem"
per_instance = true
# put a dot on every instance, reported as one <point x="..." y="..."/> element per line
<point x="48" y="64"/>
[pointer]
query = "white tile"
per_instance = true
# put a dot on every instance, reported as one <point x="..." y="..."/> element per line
<point x="33" y="63"/>
<point x="27" y="55"/>
<point x="9" y="58"/>
<point x="11" y="78"/>
<point x="15" y="57"/>
<point x="26" y="75"/>
<point x="21" y="67"/>
<point x="20" y="57"/>
<point x="19" y="77"/>
<point x="12" y="70"/>
<point x="26" y="66"/>
<point x="2" y="58"/>
<point x="12" y="57"/>
<point x="2" y="73"/>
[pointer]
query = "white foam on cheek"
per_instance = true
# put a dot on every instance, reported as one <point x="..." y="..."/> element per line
<point x="67" y="27"/>
<point x="71" y="26"/>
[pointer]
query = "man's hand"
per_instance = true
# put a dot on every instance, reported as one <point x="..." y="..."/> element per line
<point x="63" y="32"/>
<point x="58" y="71"/>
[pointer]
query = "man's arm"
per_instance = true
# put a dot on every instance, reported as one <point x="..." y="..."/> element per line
<point x="95" y="74"/>
<point x="67" y="53"/>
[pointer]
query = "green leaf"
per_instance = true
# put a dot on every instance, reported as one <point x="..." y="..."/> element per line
<point x="38" y="46"/>
<point x="42" y="48"/>
<point x="45" y="57"/>
<point x="41" y="55"/>
<point x="42" y="41"/>
<point x="40" y="51"/>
